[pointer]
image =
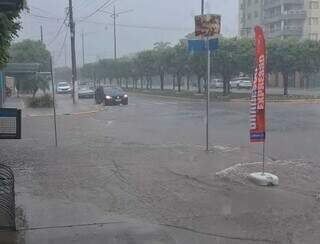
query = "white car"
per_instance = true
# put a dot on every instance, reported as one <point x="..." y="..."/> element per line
<point x="63" y="87"/>
<point x="234" y="83"/>
<point x="245" y="84"/>
<point x="217" y="83"/>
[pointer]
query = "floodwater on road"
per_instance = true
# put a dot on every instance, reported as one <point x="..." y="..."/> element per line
<point x="139" y="174"/>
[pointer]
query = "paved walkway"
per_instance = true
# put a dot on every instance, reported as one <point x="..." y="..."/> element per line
<point x="64" y="105"/>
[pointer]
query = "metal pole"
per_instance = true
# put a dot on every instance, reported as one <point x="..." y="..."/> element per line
<point x="114" y="32"/>
<point x="208" y="95"/>
<point x="41" y="34"/>
<point x="73" y="51"/>
<point x="263" y="158"/>
<point x="83" y="61"/>
<point x="202" y="7"/>
<point x="54" y="105"/>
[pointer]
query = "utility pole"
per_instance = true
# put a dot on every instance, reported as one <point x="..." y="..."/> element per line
<point x="41" y="34"/>
<point x="114" y="33"/>
<point x="73" y="51"/>
<point x="114" y="15"/>
<point x="83" y="58"/>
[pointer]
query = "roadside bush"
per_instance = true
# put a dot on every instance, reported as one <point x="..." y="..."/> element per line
<point x="44" y="101"/>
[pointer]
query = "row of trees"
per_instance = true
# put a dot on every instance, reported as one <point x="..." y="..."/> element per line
<point x="233" y="57"/>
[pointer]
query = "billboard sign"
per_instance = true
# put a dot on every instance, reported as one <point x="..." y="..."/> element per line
<point x="207" y="25"/>
<point x="258" y="93"/>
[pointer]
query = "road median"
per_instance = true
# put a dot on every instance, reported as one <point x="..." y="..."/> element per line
<point x="219" y="97"/>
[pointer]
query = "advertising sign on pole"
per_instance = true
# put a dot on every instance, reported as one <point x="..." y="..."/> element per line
<point x="207" y="25"/>
<point x="257" y="107"/>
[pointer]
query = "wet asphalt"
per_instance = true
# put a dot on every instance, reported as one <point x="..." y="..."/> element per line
<point x="139" y="174"/>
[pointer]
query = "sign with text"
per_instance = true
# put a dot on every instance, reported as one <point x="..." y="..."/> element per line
<point x="258" y="93"/>
<point x="207" y="25"/>
<point x="10" y="123"/>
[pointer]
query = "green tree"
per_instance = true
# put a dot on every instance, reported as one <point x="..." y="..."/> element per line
<point x="9" y="27"/>
<point x="29" y="51"/>
<point x="180" y="62"/>
<point x="283" y="57"/>
<point x="147" y="61"/>
<point x="233" y="56"/>
<point x="163" y="54"/>
<point x="198" y="66"/>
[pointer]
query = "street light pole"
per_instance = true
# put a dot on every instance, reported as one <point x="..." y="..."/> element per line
<point x="202" y="7"/>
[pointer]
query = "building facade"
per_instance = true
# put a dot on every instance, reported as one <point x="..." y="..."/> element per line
<point x="280" y="18"/>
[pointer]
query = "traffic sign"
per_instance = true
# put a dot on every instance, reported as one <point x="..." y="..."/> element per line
<point x="199" y="46"/>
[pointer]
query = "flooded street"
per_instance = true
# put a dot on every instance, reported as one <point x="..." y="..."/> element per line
<point x="139" y="174"/>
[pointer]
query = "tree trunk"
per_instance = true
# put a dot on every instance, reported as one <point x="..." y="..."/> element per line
<point x="150" y="82"/>
<point x="199" y="84"/>
<point x="161" y="81"/>
<point x="141" y="82"/>
<point x="188" y="82"/>
<point x="179" y="78"/>
<point x="147" y="79"/>
<point x="127" y="85"/>
<point x="225" y="87"/>
<point x="285" y="83"/>
<point x="34" y="91"/>
<point x="174" y="82"/>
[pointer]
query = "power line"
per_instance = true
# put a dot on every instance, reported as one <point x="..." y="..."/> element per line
<point x="59" y="30"/>
<point x="63" y="45"/>
<point x="106" y="4"/>
<point x="39" y="9"/>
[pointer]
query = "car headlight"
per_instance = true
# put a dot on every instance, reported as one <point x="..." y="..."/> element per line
<point x="125" y="96"/>
<point x="108" y="97"/>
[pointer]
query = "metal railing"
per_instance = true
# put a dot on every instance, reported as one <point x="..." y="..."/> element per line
<point x="7" y="199"/>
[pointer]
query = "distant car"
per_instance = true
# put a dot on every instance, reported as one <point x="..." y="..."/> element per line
<point x="245" y="84"/>
<point x="217" y="83"/>
<point x="63" y="88"/>
<point x="111" y="96"/>
<point x="85" y="92"/>
<point x="234" y="83"/>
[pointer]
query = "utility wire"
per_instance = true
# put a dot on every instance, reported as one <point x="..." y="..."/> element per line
<point x="105" y="5"/>
<point x="59" y="30"/>
<point x="62" y="46"/>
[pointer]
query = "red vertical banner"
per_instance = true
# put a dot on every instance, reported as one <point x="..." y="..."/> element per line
<point x="258" y="93"/>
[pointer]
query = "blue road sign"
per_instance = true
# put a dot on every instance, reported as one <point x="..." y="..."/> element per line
<point x="198" y="46"/>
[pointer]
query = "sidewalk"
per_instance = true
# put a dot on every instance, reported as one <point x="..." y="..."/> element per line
<point x="64" y="106"/>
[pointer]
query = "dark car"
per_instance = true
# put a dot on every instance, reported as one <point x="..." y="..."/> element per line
<point x="111" y="96"/>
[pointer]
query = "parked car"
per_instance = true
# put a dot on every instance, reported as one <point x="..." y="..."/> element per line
<point x="63" y="87"/>
<point x="85" y="92"/>
<point x="111" y="96"/>
<point x="245" y="84"/>
<point x="217" y="83"/>
<point x="234" y="83"/>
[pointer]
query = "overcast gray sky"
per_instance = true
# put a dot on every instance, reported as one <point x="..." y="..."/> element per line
<point x="149" y="21"/>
